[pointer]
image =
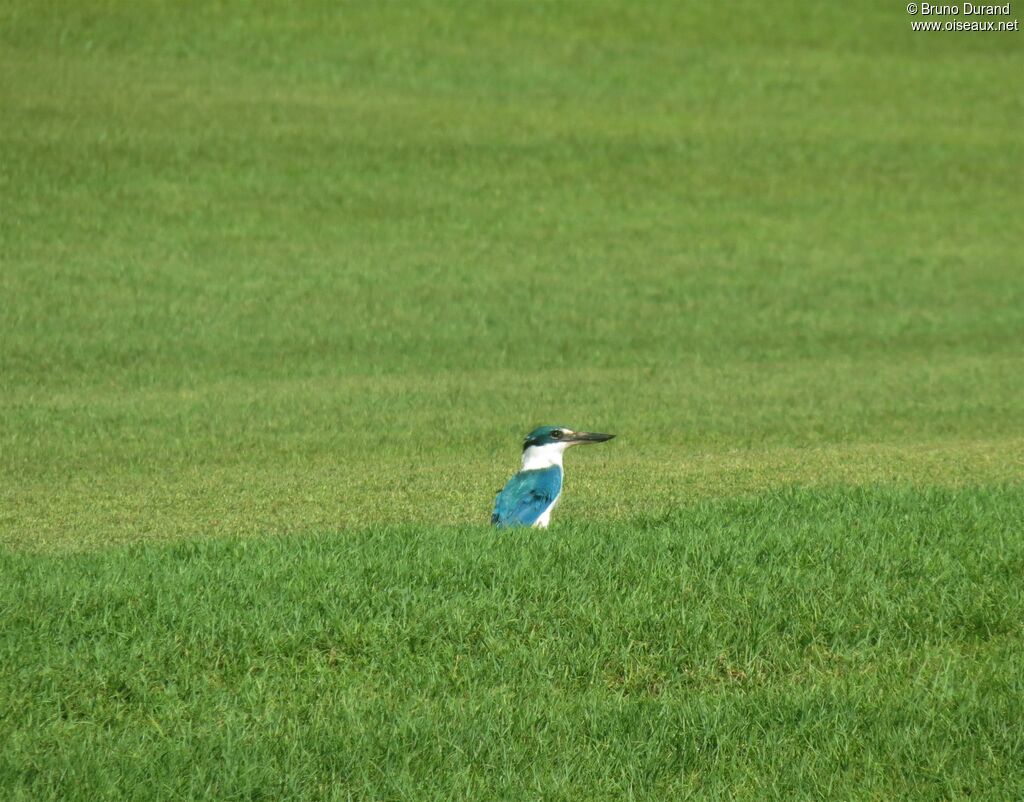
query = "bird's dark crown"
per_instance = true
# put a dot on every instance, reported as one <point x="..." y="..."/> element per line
<point x="546" y="435"/>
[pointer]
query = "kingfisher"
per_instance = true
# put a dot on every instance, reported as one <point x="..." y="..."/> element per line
<point x="529" y="497"/>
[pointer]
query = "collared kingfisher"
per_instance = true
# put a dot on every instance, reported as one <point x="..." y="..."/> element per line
<point x="529" y="497"/>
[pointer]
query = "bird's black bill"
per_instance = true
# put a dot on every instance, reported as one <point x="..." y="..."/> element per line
<point x="590" y="437"/>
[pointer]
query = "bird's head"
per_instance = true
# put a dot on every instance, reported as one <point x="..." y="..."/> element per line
<point x="544" y="446"/>
<point x="561" y="437"/>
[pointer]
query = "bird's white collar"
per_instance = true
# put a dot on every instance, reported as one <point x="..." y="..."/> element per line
<point x="538" y="457"/>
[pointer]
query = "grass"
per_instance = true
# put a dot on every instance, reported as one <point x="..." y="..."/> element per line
<point x="281" y="289"/>
<point x="803" y="644"/>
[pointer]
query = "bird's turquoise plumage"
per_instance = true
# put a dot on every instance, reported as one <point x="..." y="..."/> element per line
<point x="526" y="496"/>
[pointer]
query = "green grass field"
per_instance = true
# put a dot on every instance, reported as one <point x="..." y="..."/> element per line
<point x="283" y="286"/>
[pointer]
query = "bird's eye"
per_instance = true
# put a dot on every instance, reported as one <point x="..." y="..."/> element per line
<point x="557" y="434"/>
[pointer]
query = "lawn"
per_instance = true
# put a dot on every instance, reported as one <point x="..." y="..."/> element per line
<point x="283" y="286"/>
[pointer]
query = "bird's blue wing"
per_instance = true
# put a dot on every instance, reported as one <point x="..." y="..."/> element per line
<point x="526" y="496"/>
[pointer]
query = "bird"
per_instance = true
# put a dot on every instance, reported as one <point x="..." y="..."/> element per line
<point x="529" y="497"/>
